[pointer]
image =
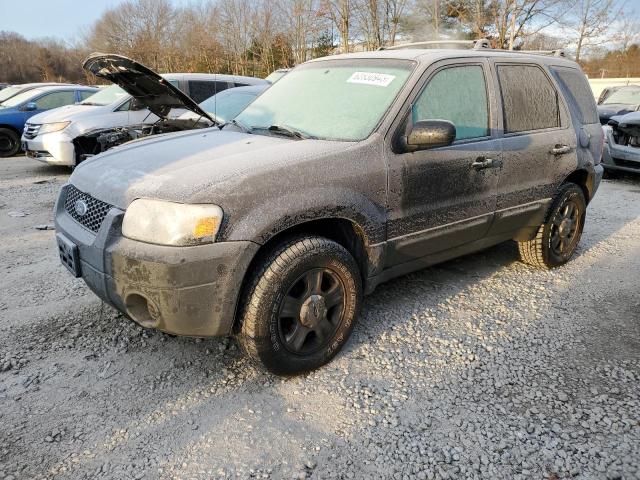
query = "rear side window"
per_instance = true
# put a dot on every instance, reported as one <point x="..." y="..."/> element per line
<point x="56" y="99"/>
<point x="84" y="94"/>
<point x="576" y="90"/>
<point x="457" y="94"/>
<point x="200" y="90"/>
<point x="529" y="100"/>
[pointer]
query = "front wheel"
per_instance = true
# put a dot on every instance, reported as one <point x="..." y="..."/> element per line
<point x="558" y="237"/>
<point x="9" y="142"/>
<point x="301" y="306"/>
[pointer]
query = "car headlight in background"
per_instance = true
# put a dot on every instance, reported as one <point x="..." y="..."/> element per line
<point x="169" y="223"/>
<point x="53" y="127"/>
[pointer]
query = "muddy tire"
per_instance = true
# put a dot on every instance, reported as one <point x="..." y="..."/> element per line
<point x="301" y="305"/>
<point x="9" y="143"/>
<point x="557" y="238"/>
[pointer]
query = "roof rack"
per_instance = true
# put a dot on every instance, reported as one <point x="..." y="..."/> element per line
<point x="554" y="53"/>
<point x="481" y="44"/>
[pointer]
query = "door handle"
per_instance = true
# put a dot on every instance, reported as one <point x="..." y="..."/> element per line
<point x="561" y="149"/>
<point x="483" y="162"/>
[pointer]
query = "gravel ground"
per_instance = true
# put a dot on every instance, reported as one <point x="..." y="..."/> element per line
<point x="477" y="368"/>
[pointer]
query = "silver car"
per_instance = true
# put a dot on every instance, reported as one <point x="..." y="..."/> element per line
<point x="622" y="143"/>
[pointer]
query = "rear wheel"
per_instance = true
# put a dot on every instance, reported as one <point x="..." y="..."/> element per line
<point x="9" y="142"/>
<point x="558" y="237"/>
<point x="301" y="306"/>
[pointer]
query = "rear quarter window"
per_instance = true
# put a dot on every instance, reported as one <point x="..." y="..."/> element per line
<point x="200" y="90"/>
<point x="578" y="94"/>
<point x="529" y="100"/>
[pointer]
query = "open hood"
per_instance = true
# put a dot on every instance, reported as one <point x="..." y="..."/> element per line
<point x="142" y="83"/>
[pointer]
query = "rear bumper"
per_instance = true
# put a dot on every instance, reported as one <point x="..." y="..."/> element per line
<point x="180" y="290"/>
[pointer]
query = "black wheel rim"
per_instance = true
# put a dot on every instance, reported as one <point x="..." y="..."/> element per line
<point x="7" y="144"/>
<point x="565" y="228"/>
<point x="311" y="311"/>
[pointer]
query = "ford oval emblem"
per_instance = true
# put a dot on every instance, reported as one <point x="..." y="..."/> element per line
<point x="81" y="207"/>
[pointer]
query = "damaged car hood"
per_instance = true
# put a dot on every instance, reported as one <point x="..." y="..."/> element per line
<point x="605" y="112"/>
<point x="142" y="83"/>
<point x="629" y="123"/>
<point x="186" y="166"/>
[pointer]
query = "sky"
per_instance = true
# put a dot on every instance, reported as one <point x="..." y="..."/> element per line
<point x="63" y="19"/>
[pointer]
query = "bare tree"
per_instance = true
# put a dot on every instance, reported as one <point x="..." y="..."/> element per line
<point x="303" y="21"/>
<point x="590" y="22"/>
<point x="340" y="13"/>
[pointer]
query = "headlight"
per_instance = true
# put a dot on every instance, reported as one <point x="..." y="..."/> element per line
<point x="168" y="223"/>
<point x="53" y="127"/>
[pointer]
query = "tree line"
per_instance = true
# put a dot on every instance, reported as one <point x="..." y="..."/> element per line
<point x="255" y="37"/>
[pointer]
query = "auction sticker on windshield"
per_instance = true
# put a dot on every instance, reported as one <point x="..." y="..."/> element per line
<point x="371" y="78"/>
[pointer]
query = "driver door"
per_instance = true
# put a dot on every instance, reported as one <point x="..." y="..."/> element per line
<point x="444" y="197"/>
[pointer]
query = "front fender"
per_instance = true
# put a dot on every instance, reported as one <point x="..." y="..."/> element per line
<point x="276" y="215"/>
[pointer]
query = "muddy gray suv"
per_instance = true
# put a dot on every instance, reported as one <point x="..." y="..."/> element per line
<point x="349" y="171"/>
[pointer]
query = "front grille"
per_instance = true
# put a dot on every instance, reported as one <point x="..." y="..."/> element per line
<point x="31" y="130"/>
<point x="96" y="210"/>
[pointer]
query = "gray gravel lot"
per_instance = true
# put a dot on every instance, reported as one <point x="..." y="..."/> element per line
<point x="481" y="367"/>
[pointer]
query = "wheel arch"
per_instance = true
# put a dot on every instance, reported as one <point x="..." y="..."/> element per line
<point x="584" y="179"/>
<point x="11" y="127"/>
<point x="343" y="231"/>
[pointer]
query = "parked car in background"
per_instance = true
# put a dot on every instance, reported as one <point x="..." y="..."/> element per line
<point x="13" y="90"/>
<point x="276" y="75"/>
<point x="224" y="106"/>
<point x="139" y="103"/>
<point x="349" y="171"/>
<point x="618" y="101"/>
<point x="15" y="111"/>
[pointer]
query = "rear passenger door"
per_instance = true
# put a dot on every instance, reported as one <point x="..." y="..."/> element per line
<point x="538" y="144"/>
<point x="440" y="198"/>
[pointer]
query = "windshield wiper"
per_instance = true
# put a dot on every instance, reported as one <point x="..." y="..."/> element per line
<point x="287" y="131"/>
<point x="238" y="124"/>
<point x="92" y="104"/>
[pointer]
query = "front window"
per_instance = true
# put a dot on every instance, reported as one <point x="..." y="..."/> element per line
<point x="106" y="96"/>
<point x="55" y="100"/>
<point x="22" y="97"/>
<point x="331" y="99"/>
<point x="626" y="96"/>
<point x="457" y="94"/>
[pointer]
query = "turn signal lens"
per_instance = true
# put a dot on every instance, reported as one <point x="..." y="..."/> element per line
<point x="206" y="227"/>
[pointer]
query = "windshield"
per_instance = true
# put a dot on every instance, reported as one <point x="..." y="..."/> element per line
<point x="629" y="96"/>
<point x="226" y="105"/>
<point x="331" y="99"/>
<point x="22" y="97"/>
<point x="9" y="92"/>
<point x="106" y="96"/>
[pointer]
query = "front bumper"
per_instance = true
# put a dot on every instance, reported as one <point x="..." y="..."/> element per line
<point x="620" y="157"/>
<point x="55" y="148"/>
<point x="180" y="290"/>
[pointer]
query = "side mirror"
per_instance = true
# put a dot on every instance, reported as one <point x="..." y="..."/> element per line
<point x="30" y="107"/>
<point x="430" y="134"/>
